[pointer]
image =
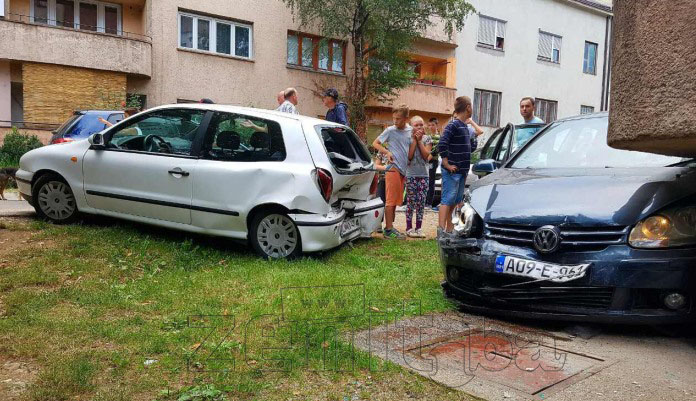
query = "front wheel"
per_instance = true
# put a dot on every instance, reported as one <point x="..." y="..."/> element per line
<point x="54" y="200"/>
<point x="274" y="235"/>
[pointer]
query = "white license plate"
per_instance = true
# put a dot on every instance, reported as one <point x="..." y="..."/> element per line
<point x="539" y="270"/>
<point x="350" y="225"/>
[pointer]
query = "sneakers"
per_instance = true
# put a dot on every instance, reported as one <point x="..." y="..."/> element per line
<point x="419" y="233"/>
<point x="411" y="233"/>
<point x="393" y="234"/>
<point x="401" y="208"/>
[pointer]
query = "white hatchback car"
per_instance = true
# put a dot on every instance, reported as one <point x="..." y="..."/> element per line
<point x="288" y="184"/>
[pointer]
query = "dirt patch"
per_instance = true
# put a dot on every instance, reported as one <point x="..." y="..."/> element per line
<point x="429" y="225"/>
<point x="15" y="378"/>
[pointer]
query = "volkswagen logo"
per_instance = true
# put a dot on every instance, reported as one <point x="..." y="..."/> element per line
<point x="547" y="239"/>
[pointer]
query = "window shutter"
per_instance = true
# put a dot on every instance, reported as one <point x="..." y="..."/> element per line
<point x="501" y="29"/>
<point x="545" y="45"/>
<point x="486" y="30"/>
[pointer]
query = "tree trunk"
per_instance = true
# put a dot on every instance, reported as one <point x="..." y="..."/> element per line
<point x="358" y="83"/>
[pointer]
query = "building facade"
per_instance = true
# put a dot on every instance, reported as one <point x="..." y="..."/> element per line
<point x="60" y="55"/>
<point x="553" y="50"/>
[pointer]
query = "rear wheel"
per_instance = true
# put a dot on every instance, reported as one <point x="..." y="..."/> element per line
<point x="54" y="200"/>
<point x="274" y="235"/>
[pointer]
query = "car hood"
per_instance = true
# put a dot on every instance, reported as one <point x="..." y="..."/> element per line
<point x="579" y="196"/>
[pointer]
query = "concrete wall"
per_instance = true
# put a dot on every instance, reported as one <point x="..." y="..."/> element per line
<point x="5" y="91"/>
<point x="52" y="92"/>
<point x="654" y="77"/>
<point x="516" y="72"/>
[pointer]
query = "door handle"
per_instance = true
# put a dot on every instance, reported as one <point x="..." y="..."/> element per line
<point x="179" y="171"/>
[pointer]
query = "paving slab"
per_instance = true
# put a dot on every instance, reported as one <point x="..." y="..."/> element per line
<point x="499" y="360"/>
<point x="14" y="206"/>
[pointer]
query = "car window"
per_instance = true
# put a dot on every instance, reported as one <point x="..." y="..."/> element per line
<point x="489" y="149"/>
<point x="169" y="131"/>
<point x="504" y="146"/>
<point x="239" y="138"/>
<point x="65" y="127"/>
<point x="115" y="118"/>
<point x="85" y="126"/>
<point x="344" y="148"/>
<point x="522" y="136"/>
<point x="582" y="143"/>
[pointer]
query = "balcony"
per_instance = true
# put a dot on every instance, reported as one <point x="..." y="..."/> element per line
<point x="29" y="42"/>
<point x="424" y="98"/>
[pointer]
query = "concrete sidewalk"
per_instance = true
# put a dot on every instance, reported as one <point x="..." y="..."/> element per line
<point x="14" y="206"/>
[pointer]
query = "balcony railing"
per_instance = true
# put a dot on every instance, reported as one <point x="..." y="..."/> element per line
<point x="121" y="52"/>
<point x="425" y="98"/>
<point x="27" y="19"/>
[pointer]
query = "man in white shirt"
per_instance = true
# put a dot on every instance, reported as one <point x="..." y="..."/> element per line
<point x="290" y="103"/>
<point x="527" y="105"/>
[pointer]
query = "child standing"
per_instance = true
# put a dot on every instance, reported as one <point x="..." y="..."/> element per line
<point x="417" y="176"/>
<point x="456" y="145"/>
<point x="399" y="138"/>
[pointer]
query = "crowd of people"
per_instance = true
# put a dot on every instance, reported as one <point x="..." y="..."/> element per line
<point x="408" y="158"/>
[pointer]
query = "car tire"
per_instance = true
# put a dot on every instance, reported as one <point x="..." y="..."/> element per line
<point x="54" y="200"/>
<point x="274" y="235"/>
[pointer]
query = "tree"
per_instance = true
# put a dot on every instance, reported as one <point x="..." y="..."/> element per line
<point x="380" y="32"/>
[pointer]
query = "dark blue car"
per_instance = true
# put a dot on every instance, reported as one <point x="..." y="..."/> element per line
<point x="82" y="124"/>
<point x="572" y="229"/>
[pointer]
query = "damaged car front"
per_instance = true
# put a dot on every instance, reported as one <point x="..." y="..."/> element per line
<point x="571" y="229"/>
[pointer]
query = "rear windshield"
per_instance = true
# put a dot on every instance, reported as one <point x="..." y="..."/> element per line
<point x="68" y="124"/>
<point x="86" y="126"/>
<point x="344" y="148"/>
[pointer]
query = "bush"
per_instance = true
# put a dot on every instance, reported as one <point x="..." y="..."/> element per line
<point x="16" y="145"/>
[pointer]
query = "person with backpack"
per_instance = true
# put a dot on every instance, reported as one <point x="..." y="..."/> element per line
<point x="338" y="111"/>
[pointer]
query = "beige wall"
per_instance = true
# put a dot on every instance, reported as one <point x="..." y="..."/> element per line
<point x="43" y="135"/>
<point x="5" y="99"/>
<point x="653" y="88"/>
<point x="52" y="93"/>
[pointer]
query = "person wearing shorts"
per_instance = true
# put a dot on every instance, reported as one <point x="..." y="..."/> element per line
<point x="456" y="144"/>
<point x="399" y="138"/>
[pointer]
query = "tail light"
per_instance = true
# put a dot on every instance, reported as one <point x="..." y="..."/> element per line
<point x="62" y="140"/>
<point x="374" y="185"/>
<point x="325" y="182"/>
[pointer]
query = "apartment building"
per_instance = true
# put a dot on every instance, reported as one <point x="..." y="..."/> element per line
<point x="61" y="55"/>
<point x="556" y="51"/>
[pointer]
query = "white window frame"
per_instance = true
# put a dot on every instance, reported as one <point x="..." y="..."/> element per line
<point x="585" y="109"/>
<point x="101" y="22"/>
<point x="556" y="44"/>
<point x="496" y="32"/>
<point x="212" y="44"/>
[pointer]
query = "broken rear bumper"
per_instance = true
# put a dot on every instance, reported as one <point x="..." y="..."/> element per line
<point x="354" y="220"/>
<point x="623" y="285"/>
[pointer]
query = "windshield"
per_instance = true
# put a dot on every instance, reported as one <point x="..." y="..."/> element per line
<point x="68" y="124"/>
<point x="583" y="143"/>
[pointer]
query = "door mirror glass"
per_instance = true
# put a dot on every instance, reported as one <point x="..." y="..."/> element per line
<point x="484" y="167"/>
<point x="96" y="140"/>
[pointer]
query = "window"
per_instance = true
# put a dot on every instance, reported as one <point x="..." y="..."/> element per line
<point x="489" y="149"/>
<point x="169" y="131"/>
<point x="546" y="110"/>
<point x="589" y="60"/>
<point x="240" y="138"/>
<point x="95" y="16"/>
<point x="549" y="47"/>
<point x="214" y="35"/>
<point x="586" y="109"/>
<point x="315" y="52"/>
<point x="487" y="108"/>
<point x="491" y="32"/>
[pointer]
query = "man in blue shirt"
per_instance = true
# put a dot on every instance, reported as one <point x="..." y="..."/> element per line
<point x="527" y="106"/>
<point x="337" y="110"/>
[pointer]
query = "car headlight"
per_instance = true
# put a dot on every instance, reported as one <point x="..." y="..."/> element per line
<point x="464" y="221"/>
<point x="672" y="228"/>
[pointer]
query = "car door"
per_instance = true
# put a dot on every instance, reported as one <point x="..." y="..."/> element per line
<point x="504" y="145"/>
<point x="147" y="167"/>
<point x="240" y="166"/>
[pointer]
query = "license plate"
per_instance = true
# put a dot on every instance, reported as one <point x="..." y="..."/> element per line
<point x="539" y="270"/>
<point x="350" y="225"/>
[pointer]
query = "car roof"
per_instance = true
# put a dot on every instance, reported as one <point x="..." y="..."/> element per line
<point x="600" y="114"/>
<point x="99" y="112"/>
<point x="262" y="113"/>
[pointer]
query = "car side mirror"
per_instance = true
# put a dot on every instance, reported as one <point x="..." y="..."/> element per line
<point x="96" y="141"/>
<point x="484" y="167"/>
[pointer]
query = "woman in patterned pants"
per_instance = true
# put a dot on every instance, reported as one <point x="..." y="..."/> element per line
<point x="417" y="177"/>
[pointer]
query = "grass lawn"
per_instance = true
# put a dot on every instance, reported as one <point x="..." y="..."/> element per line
<point x="107" y="310"/>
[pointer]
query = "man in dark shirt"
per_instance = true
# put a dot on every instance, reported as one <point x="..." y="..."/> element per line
<point x="337" y="110"/>
<point x="456" y="144"/>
